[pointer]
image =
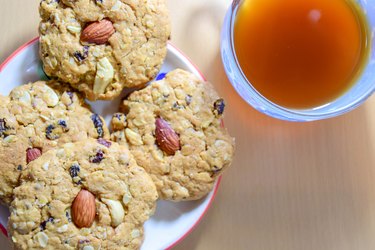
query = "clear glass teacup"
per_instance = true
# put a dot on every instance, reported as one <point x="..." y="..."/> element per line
<point x="352" y="98"/>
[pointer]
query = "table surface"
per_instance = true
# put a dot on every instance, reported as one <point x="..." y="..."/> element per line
<point x="292" y="186"/>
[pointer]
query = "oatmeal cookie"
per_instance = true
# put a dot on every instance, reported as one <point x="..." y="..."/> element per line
<point x="85" y="195"/>
<point x="174" y="129"/>
<point x="35" y="118"/>
<point x="103" y="46"/>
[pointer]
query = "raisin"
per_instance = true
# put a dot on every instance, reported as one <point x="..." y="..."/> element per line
<point x="49" y="133"/>
<point x="216" y="170"/>
<point x="3" y="127"/>
<point x="63" y="125"/>
<point x="98" y="157"/>
<point x="98" y="124"/>
<point x="104" y="142"/>
<point x="74" y="170"/>
<point x="81" y="56"/>
<point x="118" y="121"/>
<point x="54" y="132"/>
<point x="70" y="94"/>
<point x="176" y="106"/>
<point x="100" y="132"/>
<point x="43" y="225"/>
<point x="96" y="120"/>
<point x="68" y="216"/>
<point x="219" y="107"/>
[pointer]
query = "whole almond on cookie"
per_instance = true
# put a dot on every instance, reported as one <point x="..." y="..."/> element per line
<point x="32" y="154"/>
<point x="84" y="209"/>
<point x="167" y="139"/>
<point x="98" y="32"/>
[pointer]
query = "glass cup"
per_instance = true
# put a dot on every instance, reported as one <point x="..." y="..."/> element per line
<point x="355" y="96"/>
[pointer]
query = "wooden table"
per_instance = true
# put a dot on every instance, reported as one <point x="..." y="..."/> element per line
<point x="292" y="186"/>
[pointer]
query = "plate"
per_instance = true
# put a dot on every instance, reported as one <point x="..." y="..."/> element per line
<point x="172" y="221"/>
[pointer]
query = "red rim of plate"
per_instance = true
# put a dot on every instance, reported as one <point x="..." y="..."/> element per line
<point x="20" y="49"/>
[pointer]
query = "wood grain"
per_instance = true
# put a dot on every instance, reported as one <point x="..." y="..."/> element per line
<point x="292" y="186"/>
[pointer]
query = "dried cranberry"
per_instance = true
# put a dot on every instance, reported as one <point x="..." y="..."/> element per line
<point x="104" y="142"/>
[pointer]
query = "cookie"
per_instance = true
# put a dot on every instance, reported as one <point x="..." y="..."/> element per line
<point x="173" y="128"/>
<point x="103" y="46"/>
<point x="84" y="195"/>
<point x="35" y="118"/>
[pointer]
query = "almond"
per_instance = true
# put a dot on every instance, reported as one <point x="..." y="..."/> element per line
<point x="32" y="154"/>
<point x="98" y="32"/>
<point x="84" y="209"/>
<point x="167" y="139"/>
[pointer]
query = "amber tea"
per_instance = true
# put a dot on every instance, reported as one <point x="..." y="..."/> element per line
<point x="301" y="53"/>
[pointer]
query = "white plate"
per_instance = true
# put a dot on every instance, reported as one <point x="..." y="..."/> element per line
<point x="172" y="221"/>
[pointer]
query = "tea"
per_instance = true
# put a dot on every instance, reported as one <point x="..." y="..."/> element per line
<point x="301" y="53"/>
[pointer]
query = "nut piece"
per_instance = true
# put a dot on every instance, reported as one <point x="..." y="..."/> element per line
<point x="133" y="137"/>
<point x="32" y="154"/>
<point x="167" y="139"/>
<point x="104" y="75"/>
<point x="98" y="32"/>
<point x="84" y="209"/>
<point x="50" y="97"/>
<point x="127" y="196"/>
<point x="135" y="233"/>
<point x="117" y="211"/>
<point x="25" y="98"/>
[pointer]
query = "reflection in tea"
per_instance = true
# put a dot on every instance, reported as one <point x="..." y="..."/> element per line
<point x="301" y="54"/>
